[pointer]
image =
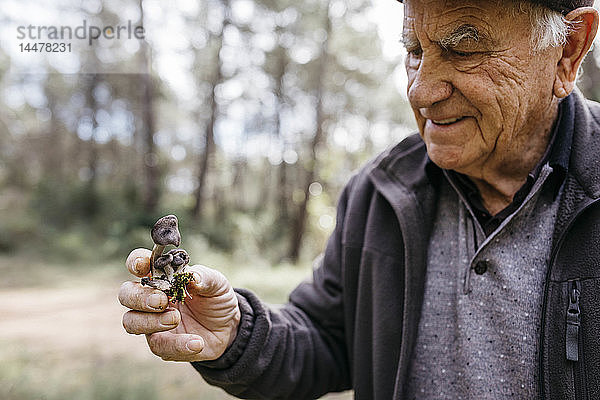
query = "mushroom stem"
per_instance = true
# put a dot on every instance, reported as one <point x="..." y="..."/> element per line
<point x="157" y="251"/>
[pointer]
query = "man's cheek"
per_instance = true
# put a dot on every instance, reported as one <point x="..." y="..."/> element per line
<point x="506" y="72"/>
<point x="470" y="65"/>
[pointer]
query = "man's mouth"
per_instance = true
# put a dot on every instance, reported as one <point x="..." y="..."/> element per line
<point x="447" y="121"/>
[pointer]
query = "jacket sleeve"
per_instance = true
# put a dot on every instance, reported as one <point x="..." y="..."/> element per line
<point x="298" y="351"/>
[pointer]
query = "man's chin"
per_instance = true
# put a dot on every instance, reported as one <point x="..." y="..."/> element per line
<point x="446" y="157"/>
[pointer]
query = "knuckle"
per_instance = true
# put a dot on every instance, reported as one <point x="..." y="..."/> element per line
<point x="169" y="319"/>
<point x="170" y="347"/>
<point x="154" y="344"/>
<point x="175" y="348"/>
<point x="131" y="323"/>
<point x="208" y="281"/>
<point x="161" y="344"/>
<point x="137" y="297"/>
<point x="125" y="293"/>
<point x="137" y="322"/>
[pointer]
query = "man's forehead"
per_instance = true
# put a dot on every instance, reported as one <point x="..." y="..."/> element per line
<point x="442" y="18"/>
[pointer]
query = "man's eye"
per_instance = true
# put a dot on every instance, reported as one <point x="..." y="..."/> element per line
<point x="457" y="53"/>
<point x="415" y="52"/>
<point x="461" y="53"/>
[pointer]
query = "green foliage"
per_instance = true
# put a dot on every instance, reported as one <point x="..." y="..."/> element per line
<point x="75" y="221"/>
<point x="61" y="205"/>
<point x="18" y="228"/>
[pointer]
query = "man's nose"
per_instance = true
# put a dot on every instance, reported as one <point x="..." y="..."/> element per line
<point x="430" y="83"/>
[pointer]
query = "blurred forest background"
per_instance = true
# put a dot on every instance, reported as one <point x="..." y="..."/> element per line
<point x="252" y="117"/>
<point x="244" y="118"/>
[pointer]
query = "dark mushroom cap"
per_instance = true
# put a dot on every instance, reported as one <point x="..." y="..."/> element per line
<point x="180" y="257"/>
<point x="162" y="261"/>
<point x="166" y="231"/>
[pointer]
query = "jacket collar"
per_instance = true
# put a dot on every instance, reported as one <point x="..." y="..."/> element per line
<point x="405" y="164"/>
<point x="583" y="164"/>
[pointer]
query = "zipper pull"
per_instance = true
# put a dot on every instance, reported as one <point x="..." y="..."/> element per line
<point x="573" y="322"/>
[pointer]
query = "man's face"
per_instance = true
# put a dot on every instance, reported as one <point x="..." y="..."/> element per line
<point x="477" y="89"/>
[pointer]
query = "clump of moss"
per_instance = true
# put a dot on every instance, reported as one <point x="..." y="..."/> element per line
<point x="178" y="291"/>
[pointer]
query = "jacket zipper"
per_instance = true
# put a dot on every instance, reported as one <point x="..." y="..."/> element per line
<point x="573" y="322"/>
<point x="574" y="342"/>
<point x="553" y="256"/>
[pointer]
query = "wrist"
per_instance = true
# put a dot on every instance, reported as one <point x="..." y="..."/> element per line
<point x="235" y="325"/>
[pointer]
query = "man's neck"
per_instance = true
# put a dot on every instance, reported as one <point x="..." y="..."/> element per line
<point x="497" y="198"/>
<point x="499" y="181"/>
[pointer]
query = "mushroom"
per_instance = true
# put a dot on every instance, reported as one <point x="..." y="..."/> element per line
<point x="171" y="263"/>
<point x="180" y="259"/>
<point x="168" y="269"/>
<point x="165" y="232"/>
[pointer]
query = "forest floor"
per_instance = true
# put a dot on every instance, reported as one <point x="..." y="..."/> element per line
<point x="61" y="338"/>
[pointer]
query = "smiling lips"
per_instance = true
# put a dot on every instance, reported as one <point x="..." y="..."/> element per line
<point x="447" y="121"/>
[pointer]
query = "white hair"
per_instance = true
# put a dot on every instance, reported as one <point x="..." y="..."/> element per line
<point x="549" y="28"/>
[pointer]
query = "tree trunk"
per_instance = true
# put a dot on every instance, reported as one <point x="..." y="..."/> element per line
<point x="240" y="169"/>
<point x="53" y="153"/>
<point x="151" y="191"/>
<point x="282" y="192"/>
<point x="91" y="200"/>
<point x="299" y="225"/>
<point x="209" y="136"/>
<point x="209" y="145"/>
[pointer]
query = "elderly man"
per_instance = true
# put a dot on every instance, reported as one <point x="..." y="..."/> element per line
<point x="464" y="264"/>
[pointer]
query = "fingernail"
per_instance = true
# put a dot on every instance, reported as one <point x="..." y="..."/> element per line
<point x="168" y="318"/>
<point x="137" y="263"/>
<point x="157" y="301"/>
<point x="195" y="345"/>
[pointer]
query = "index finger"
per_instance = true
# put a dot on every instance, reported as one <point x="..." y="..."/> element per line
<point x="138" y="262"/>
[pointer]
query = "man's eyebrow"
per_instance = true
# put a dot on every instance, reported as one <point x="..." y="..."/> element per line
<point x="463" y="32"/>
<point x="409" y="41"/>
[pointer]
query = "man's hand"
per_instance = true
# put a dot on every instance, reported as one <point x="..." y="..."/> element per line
<point x="200" y="329"/>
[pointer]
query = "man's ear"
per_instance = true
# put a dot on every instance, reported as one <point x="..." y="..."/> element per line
<point x="583" y="31"/>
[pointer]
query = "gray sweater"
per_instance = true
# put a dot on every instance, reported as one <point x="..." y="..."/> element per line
<point x="482" y="304"/>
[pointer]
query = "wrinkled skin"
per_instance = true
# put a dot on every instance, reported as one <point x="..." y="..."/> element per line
<point x="197" y="330"/>
<point x="505" y="92"/>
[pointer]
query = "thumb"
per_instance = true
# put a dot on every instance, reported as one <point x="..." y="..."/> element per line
<point x="207" y="282"/>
